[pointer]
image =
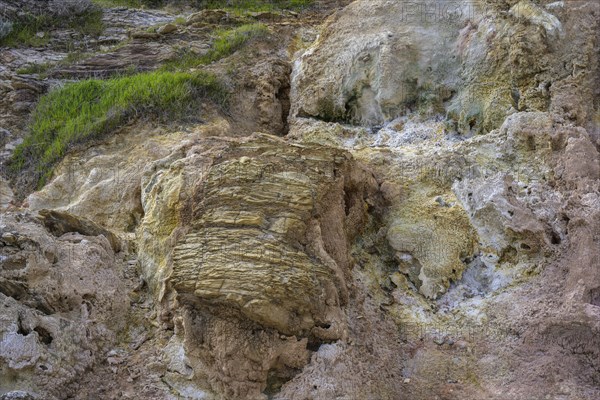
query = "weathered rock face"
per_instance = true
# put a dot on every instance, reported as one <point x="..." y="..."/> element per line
<point x="475" y="61"/>
<point x="505" y="204"/>
<point x="523" y="202"/>
<point x="103" y="183"/>
<point x="6" y="194"/>
<point x="431" y="237"/>
<point x="17" y="97"/>
<point x="63" y="303"/>
<point x="139" y="54"/>
<point x="264" y="95"/>
<point x="372" y="61"/>
<point x="401" y="261"/>
<point x="259" y="230"/>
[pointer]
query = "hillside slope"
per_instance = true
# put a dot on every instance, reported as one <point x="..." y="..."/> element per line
<point x="367" y="200"/>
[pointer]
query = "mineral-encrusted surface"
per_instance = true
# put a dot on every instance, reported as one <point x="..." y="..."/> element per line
<point x="401" y="203"/>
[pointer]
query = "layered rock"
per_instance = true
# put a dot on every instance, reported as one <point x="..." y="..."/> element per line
<point x="139" y="55"/>
<point x="386" y="257"/>
<point x="256" y="231"/>
<point x="103" y="184"/>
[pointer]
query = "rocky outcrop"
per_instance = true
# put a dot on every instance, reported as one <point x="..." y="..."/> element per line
<point x="380" y="250"/>
<point x="63" y="303"/>
<point x="504" y="204"/>
<point x="256" y="231"/>
<point x="18" y="94"/>
<point x="373" y="72"/>
<point x="104" y="183"/>
<point x="6" y="195"/>
<point x="139" y="55"/>
<point x="474" y="61"/>
<point x="59" y="223"/>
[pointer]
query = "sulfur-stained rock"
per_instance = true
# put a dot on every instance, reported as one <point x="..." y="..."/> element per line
<point x="256" y="229"/>
<point x="429" y="226"/>
<point x="521" y="205"/>
<point x="261" y="206"/>
<point x="536" y="15"/>
<point x="477" y="62"/>
<point x="431" y="238"/>
<point x="371" y="71"/>
<point x="103" y="184"/>
<point x="513" y="213"/>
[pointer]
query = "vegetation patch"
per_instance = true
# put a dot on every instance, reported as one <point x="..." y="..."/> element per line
<point x="237" y="5"/>
<point x="227" y="42"/>
<point x="255" y="5"/>
<point x="130" y="3"/>
<point x="87" y="110"/>
<point x="41" y="69"/>
<point x="35" y="30"/>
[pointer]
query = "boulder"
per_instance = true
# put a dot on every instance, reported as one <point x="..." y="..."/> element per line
<point x="256" y="231"/>
<point x="60" y="222"/>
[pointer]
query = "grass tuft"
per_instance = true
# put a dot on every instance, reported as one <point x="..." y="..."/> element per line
<point x="129" y="3"/>
<point x="227" y="42"/>
<point x="254" y="5"/>
<point x="87" y="110"/>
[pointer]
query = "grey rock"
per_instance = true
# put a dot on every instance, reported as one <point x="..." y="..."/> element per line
<point x="18" y="395"/>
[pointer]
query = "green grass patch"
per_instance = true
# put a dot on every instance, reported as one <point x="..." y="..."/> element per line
<point x="35" y="30"/>
<point x="232" y="5"/>
<point x="229" y="41"/>
<point x="88" y="24"/>
<point x="87" y="110"/>
<point x="74" y="57"/>
<point x="226" y="42"/>
<point x="130" y="3"/>
<point x="254" y="5"/>
<point x="28" y="32"/>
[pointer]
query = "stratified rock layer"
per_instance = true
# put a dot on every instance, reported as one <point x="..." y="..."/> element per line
<point x="429" y="228"/>
<point x="258" y="228"/>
